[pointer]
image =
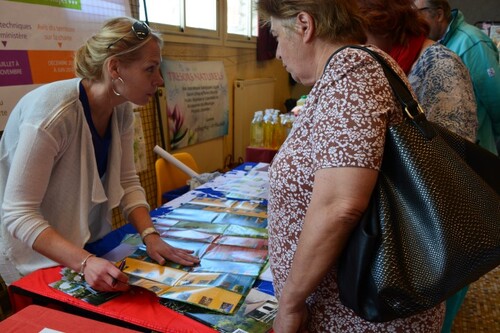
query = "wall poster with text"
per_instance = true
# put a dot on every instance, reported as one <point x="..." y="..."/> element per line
<point x="38" y="39"/>
<point x="197" y="101"/>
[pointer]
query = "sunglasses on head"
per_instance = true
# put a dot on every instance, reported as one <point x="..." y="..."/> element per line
<point x="140" y="29"/>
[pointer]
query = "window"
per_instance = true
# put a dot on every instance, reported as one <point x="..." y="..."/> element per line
<point x="184" y="21"/>
<point x="242" y="18"/>
<point x="202" y="21"/>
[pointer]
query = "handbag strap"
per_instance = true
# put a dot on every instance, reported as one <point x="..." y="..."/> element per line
<point x="412" y="109"/>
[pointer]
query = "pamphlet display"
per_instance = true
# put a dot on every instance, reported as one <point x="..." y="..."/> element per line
<point x="230" y="238"/>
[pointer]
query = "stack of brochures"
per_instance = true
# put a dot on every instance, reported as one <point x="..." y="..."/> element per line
<point x="230" y="238"/>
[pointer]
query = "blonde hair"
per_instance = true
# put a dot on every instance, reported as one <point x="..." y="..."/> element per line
<point x="114" y="39"/>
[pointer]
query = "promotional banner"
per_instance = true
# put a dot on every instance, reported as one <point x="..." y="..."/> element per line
<point x="197" y="101"/>
<point x="38" y="39"/>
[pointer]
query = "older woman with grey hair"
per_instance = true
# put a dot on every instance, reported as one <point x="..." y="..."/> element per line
<point x="322" y="177"/>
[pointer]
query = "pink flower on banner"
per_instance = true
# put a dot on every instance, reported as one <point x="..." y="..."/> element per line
<point x="175" y="122"/>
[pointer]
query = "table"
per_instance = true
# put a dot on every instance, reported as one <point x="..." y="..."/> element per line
<point x="139" y="310"/>
<point x="34" y="319"/>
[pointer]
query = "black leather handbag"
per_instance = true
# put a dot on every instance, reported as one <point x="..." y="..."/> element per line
<point x="433" y="223"/>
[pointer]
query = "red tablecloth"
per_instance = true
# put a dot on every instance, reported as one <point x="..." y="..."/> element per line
<point x="257" y="154"/>
<point x="34" y="319"/>
<point x="138" y="306"/>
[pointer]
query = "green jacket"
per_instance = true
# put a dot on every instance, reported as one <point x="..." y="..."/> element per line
<point x="480" y="55"/>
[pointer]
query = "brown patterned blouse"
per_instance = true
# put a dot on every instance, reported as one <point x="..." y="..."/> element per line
<point x="342" y="124"/>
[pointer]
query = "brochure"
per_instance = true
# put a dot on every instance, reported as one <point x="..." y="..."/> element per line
<point x="196" y="212"/>
<point x="239" y="207"/>
<point x="81" y="289"/>
<point x="255" y="314"/>
<point x="254" y="243"/>
<point x="245" y="220"/>
<point x="217" y="299"/>
<point x="236" y="253"/>
<point x="203" y="227"/>
<point x="245" y="231"/>
<point x="233" y="282"/>
<point x="193" y="213"/>
<point x="188" y="234"/>
<point x="233" y="267"/>
<point x="153" y="272"/>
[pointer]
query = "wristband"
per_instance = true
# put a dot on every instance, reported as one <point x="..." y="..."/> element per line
<point x="148" y="231"/>
<point x="81" y="274"/>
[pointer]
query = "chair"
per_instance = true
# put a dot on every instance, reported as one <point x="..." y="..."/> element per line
<point x="169" y="177"/>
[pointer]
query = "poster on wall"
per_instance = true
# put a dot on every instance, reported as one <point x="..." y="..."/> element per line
<point x="197" y="101"/>
<point x="38" y="39"/>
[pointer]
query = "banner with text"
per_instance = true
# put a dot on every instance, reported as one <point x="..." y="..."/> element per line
<point x="38" y="39"/>
<point x="197" y="101"/>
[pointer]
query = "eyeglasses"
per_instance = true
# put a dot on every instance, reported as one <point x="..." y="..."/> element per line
<point x="140" y="29"/>
<point x="427" y="8"/>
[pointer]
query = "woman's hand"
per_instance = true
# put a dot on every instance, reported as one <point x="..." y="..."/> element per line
<point x="159" y="250"/>
<point x="156" y="247"/>
<point x="291" y="321"/>
<point x="102" y="275"/>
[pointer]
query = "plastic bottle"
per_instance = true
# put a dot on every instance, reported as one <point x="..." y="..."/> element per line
<point x="276" y="139"/>
<point x="257" y="130"/>
<point x="298" y="106"/>
<point x="301" y="100"/>
<point x="281" y="128"/>
<point x="268" y="130"/>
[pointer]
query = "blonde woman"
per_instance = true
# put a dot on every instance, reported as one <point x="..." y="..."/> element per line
<point x="66" y="160"/>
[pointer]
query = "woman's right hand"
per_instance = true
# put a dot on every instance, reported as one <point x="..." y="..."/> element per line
<point x="103" y="275"/>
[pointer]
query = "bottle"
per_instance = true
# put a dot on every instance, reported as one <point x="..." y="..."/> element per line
<point x="281" y="127"/>
<point x="276" y="140"/>
<point x="301" y="100"/>
<point x="257" y="130"/>
<point x="298" y="106"/>
<point x="268" y="130"/>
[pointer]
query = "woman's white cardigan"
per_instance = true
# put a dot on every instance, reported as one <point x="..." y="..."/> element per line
<point x="49" y="174"/>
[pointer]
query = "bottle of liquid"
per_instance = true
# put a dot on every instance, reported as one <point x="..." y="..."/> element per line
<point x="276" y="140"/>
<point x="257" y="130"/>
<point x="268" y="130"/>
<point x="289" y="123"/>
<point x="280" y="130"/>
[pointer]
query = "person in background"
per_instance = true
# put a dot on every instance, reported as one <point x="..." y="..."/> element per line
<point x="480" y="56"/>
<point x="437" y="75"/>
<point x="67" y="159"/>
<point x="323" y="175"/>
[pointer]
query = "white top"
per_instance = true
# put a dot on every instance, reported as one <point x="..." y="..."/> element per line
<point x="49" y="176"/>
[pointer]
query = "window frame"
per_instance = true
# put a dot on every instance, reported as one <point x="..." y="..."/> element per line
<point x="218" y="37"/>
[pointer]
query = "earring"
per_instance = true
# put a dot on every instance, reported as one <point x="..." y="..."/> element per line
<point x="112" y="88"/>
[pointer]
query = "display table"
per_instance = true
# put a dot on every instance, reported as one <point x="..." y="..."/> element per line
<point x="137" y="309"/>
<point x="259" y="154"/>
<point x="35" y="319"/>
